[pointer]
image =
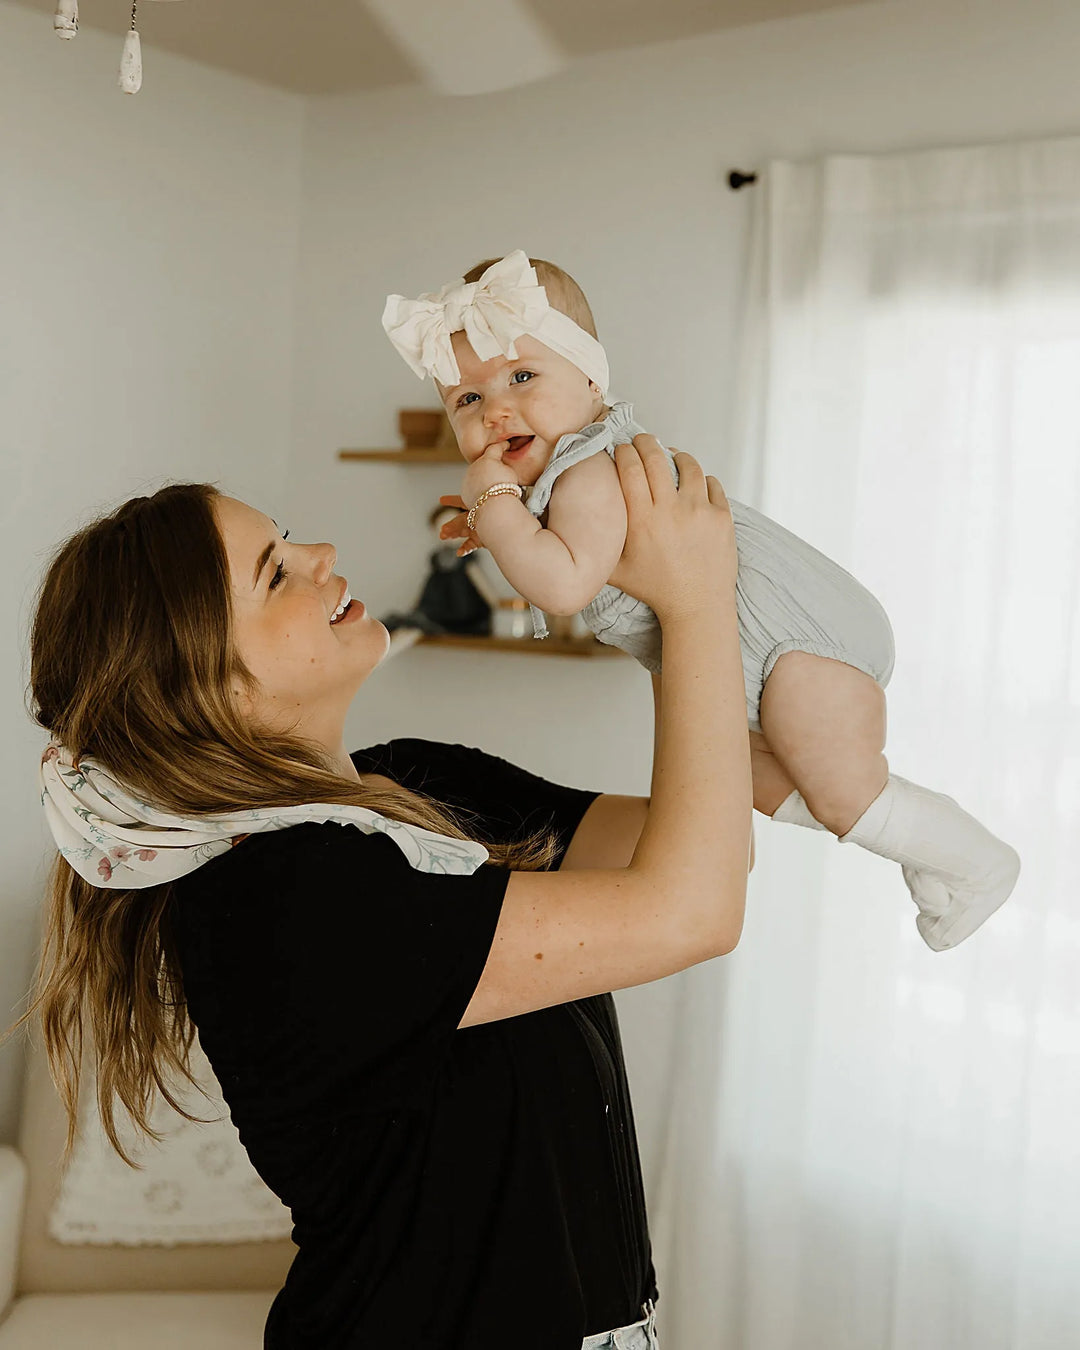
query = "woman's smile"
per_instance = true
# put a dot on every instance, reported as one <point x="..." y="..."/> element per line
<point x="353" y="612"/>
<point x="303" y="680"/>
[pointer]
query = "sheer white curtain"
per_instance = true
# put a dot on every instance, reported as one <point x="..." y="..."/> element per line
<point x="872" y="1146"/>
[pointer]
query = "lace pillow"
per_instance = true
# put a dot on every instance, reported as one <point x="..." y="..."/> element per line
<point x="197" y="1185"/>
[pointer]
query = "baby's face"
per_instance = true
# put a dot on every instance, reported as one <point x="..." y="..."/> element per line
<point x="530" y="402"/>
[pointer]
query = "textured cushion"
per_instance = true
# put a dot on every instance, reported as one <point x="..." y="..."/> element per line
<point x="49" y="1267"/>
<point x="195" y="1185"/>
<point x="12" y="1196"/>
<point x="137" y="1322"/>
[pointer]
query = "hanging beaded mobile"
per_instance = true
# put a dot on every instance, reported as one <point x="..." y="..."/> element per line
<point x="131" y="58"/>
<point x="66" y="19"/>
<point x="66" y="25"/>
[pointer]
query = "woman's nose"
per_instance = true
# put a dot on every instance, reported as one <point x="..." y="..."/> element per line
<point x="325" y="562"/>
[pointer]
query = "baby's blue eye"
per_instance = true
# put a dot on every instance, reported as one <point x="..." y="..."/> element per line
<point x="529" y="374"/>
<point x="463" y="401"/>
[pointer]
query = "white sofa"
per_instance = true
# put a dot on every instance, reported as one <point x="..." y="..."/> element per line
<point x="59" y="1297"/>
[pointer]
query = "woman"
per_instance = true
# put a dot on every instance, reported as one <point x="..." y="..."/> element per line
<point x="414" y="1033"/>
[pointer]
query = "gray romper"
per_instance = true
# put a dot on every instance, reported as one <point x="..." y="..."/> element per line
<point x="788" y="596"/>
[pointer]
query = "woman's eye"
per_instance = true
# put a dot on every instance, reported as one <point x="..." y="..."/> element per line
<point x="465" y="400"/>
<point x="280" y="574"/>
<point x="528" y="374"/>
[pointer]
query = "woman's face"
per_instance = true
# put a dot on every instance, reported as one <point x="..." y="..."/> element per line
<point x="283" y="598"/>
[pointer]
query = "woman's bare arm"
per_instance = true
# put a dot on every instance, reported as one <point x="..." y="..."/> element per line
<point x="608" y="832"/>
<point x="680" y="898"/>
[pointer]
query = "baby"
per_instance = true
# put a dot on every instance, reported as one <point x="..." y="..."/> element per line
<point x="513" y="351"/>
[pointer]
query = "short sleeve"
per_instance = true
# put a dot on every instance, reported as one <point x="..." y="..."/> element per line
<point x="503" y="801"/>
<point x="322" y="947"/>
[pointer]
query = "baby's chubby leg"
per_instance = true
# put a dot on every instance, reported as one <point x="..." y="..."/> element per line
<point x="772" y="784"/>
<point x="822" y="719"/>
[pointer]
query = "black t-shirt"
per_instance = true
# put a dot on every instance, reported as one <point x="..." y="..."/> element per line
<point x="450" y="1189"/>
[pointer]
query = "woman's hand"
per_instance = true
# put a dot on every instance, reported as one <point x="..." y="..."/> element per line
<point x="680" y="542"/>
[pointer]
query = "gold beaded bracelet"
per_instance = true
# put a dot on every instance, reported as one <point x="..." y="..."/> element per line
<point x="497" y="490"/>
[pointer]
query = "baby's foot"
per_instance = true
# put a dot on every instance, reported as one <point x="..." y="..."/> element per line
<point x="957" y="871"/>
<point x="950" y="908"/>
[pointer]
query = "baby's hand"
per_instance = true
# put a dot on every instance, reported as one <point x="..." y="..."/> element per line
<point x="457" y="529"/>
<point x="486" y="471"/>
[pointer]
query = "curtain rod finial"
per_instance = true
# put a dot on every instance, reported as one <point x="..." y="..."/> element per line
<point x="737" y="179"/>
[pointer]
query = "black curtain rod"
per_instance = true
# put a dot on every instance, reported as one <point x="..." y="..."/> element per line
<point x="736" y="179"/>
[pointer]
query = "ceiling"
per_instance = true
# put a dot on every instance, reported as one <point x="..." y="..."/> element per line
<point x="331" y="46"/>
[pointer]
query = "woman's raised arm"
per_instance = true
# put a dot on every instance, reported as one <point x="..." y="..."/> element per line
<point x="608" y="832"/>
<point x="679" y="900"/>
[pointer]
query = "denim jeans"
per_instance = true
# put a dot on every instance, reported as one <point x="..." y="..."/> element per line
<point x="637" y="1336"/>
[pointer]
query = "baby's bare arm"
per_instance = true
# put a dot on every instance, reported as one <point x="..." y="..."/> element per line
<point x="561" y="568"/>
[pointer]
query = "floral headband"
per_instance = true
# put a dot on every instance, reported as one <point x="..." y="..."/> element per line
<point x="116" y="840"/>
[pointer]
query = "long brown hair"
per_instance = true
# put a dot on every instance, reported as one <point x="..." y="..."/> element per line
<point x="133" y="664"/>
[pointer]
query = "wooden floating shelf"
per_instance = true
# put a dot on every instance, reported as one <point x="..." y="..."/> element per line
<point x="552" y="646"/>
<point x="403" y="456"/>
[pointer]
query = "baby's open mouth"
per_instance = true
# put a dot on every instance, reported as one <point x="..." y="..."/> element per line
<point x="518" y="443"/>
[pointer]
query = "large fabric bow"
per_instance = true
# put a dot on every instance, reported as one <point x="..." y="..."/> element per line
<point x="506" y="303"/>
<point x="115" y="840"/>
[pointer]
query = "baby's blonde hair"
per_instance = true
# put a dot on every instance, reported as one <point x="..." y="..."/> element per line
<point x="563" y="292"/>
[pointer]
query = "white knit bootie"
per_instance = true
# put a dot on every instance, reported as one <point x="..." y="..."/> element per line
<point x="958" y="873"/>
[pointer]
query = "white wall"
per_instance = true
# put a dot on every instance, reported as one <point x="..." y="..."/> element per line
<point x="615" y="170"/>
<point x="147" y="263"/>
<point x="147" y="275"/>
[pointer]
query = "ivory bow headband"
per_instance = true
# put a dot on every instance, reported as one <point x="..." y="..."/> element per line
<point x="506" y="303"/>
<point x="120" y="842"/>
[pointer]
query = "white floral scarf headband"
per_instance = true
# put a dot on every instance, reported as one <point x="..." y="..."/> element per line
<point x="506" y="303"/>
<point x="120" y="842"/>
